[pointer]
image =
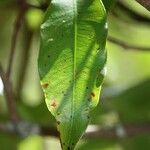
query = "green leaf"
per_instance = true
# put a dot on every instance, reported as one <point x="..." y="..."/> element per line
<point x="71" y="63"/>
<point x="108" y="4"/>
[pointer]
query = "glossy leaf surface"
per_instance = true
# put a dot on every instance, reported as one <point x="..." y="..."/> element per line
<point x="72" y="63"/>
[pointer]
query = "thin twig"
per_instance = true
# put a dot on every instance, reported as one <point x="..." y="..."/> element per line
<point x="120" y="131"/>
<point x="9" y="94"/>
<point x="126" y="130"/>
<point x="126" y="45"/>
<point x="131" y="13"/>
<point x="42" y="6"/>
<point x="3" y="127"/>
<point x="8" y="88"/>
<point x="144" y="3"/>
<point x="16" y="30"/>
<point x="115" y="132"/>
<point x="28" y="35"/>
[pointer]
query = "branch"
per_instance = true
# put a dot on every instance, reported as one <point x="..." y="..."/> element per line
<point x="136" y="16"/>
<point x="42" y="6"/>
<point x="144" y="3"/>
<point x="125" y="45"/>
<point x="3" y="127"/>
<point x="17" y="26"/>
<point x="93" y="131"/>
<point x="28" y="36"/>
<point x="9" y="94"/>
<point x="120" y="131"/>
<point x="23" y="6"/>
<point x="115" y="132"/>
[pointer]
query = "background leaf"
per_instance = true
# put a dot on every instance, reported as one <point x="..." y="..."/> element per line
<point x="108" y="4"/>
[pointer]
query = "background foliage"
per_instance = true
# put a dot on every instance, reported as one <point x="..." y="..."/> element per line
<point x="123" y="114"/>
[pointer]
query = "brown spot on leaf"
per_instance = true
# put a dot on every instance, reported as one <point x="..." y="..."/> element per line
<point x="58" y="122"/>
<point x="45" y="85"/>
<point x="53" y="104"/>
<point x="58" y="113"/>
<point x="93" y="94"/>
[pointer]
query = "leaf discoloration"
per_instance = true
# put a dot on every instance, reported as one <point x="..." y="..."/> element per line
<point x="93" y="94"/>
<point x="45" y="85"/>
<point x="58" y="122"/>
<point x="53" y="103"/>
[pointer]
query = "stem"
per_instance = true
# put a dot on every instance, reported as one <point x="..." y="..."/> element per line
<point x="16" y="30"/>
<point x="10" y="96"/>
<point x="144" y="3"/>
<point x="28" y="35"/>
<point x="127" y="46"/>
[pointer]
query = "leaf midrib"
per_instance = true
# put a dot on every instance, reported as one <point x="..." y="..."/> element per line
<point x="75" y="46"/>
<point x="74" y="57"/>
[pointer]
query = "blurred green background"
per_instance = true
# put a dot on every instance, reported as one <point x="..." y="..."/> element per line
<point x="125" y="98"/>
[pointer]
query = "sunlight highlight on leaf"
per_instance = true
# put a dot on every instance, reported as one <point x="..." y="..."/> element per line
<point x="71" y="61"/>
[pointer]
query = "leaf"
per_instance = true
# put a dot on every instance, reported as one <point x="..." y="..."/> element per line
<point x="71" y="63"/>
<point x="108" y="4"/>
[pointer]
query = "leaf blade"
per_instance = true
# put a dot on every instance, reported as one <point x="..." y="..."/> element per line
<point x="72" y="54"/>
